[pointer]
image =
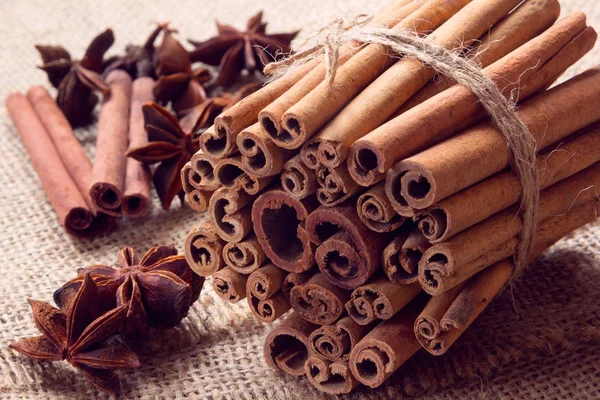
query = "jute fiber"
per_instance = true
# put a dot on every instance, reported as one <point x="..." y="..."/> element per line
<point x="544" y="345"/>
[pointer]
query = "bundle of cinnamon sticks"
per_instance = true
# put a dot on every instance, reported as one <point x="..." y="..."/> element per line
<point x="380" y="207"/>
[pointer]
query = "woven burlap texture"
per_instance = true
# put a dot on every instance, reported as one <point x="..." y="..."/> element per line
<point x="544" y="344"/>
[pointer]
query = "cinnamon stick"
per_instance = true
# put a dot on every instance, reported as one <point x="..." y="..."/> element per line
<point x="336" y="185"/>
<point x="303" y="119"/>
<point x="449" y="263"/>
<point x="294" y="279"/>
<point x="379" y="299"/>
<point x="261" y="157"/>
<point x="319" y="301"/>
<point x="244" y="257"/>
<point x="479" y="152"/>
<point x="330" y="377"/>
<point x="230" y="173"/>
<point x="298" y="180"/>
<point x="263" y="290"/>
<point x="529" y="68"/>
<point x="203" y="249"/>
<point x="136" y="191"/>
<point x="286" y="345"/>
<point x="376" y="212"/>
<point x="230" y="285"/>
<point x="58" y="179"/>
<point x="197" y="199"/>
<point x="108" y="172"/>
<point x="202" y="174"/>
<point x="396" y="271"/>
<point x="229" y="211"/>
<point x="334" y="342"/>
<point x="474" y="204"/>
<point x="278" y="220"/>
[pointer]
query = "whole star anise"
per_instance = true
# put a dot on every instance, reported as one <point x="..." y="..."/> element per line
<point x="233" y="50"/>
<point x="82" y="336"/>
<point x="77" y="80"/>
<point x="156" y="291"/>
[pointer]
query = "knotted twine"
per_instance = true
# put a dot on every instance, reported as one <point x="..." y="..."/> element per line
<point x="502" y="111"/>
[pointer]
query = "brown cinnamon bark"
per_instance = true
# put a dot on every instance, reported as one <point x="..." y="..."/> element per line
<point x="70" y="206"/>
<point x="197" y="199"/>
<point x="298" y="180"/>
<point x="379" y="299"/>
<point x="479" y="152"/>
<point x="376" y="212"/>
<point x="447" y="264"/>
<point x="336" y="185"/>
<point x="334" y="342"/>
<point x="529" y="68"/>
<point x="379" y="354"/>
<point x="202" y="174"/>
<point x="244" y="257"/>
<point x="348" y="253"/>
<point x="294" y="279"/>
<point x="330" y="377"/>
<point x="203" y="249"/>
<point x="261" y="157"/>
<point x="286" y="345"/>
<point x="263" y="290"/>
<point x="108" y="172"/>
<point x="391" y="259"/>
<point x="474" y="204"/>
<point x="319" y="301"/>
<point x="229" y="211"/>
<point x="278" y="220"/>
<point x="230" y="285"/>
<point x="230" y="173"/>
<point x="136" y="192"/>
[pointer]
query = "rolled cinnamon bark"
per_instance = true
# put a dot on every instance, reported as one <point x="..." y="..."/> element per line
<point x="230" y="285"/>
<point x="379" y="299"/>
<point x="348" y="253"/>
<point x="334" y="342"/>
<point x="278" y="220"/>
<point x="391" y="258"/>
<point x="529" y="68"/>
<point x="383" y="350"/>
<point x="229" y="211"/>
<point x="376" y="212"/>
<point x="197" y="199"/>
<point x="244" y="257"/>
<point x="202" y="174"/>
<point x="297" y="179"/>
<point x="330" y="377"/>
<point x="108" y="172"/>
<point x="427" y="325"/>
<point x="479" y="152"/>
<point x="336" y="185"/>
<point x="230" y="172"/>
<point x="263" y="289"/>
<point x="304" y="118"/>
<point x="381" y="98"/>
<point x="319" y="301"/>
<point x="203" y="249"/>
<point x="294" y="279"/>
<point x="261" y="157"/>
<point x="286" y="345"/>
<point x="69" y="204"/>
<point x="136" y="192"/>
<point x="474" y="204"/>
<point x="447" y="264"/>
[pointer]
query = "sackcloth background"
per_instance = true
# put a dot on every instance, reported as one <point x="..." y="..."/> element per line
<point x="544" y="345"/>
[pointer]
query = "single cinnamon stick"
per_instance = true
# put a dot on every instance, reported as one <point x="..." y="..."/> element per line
<point x="376" y="212"/>
<point x="334" y="342"/>
<point x="294" y="279"/>
<point x="336" y="185"/>
<point x="230" y="172"/>
<point x="330" y="377"/>
<point x="479" y="152"/>
<point x="229" y="211"/>
<point x="263" y="290"/>
<point x="297" y="179"/>
<point x="108" y="172"/>
<point x="244" y="257"/>
<point x="230" y="285"/>
<point x="391" y="259"/>
<point x="278" y="220"/>
<point x="203" y="249"/>
<point x="474" y="204"/>
<point x="197" y="199"/>
<point x="304" y="118"/>
<point x="383" y="350"/>
<point x="69" y="204"/>
<point x="379" y="299"/>
<point x="348" y="253"/>
<point x="529" y="68"/>
<point x="286" y="345"/>
<point x="136" y="192"/>
<point x="202" y="174"/>
<point x="381" y="98"/>
<point x="261" y="157"/>
<point x="449" y="263"/>
<point x="319" y="301"/>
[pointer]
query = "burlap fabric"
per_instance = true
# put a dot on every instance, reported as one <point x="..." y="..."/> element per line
<point x="544" y="344"/>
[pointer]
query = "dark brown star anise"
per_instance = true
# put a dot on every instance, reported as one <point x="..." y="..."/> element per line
<point x="156" y="291"/>
<point x="233" y="50"/>
<point x="77" y="80"/>
<point x="83" y="336"/>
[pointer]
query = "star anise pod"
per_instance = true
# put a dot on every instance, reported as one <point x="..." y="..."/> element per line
<point x="77" y="80"/>
<point x="233" y="50"/>
<point x="156" y="291"/>
<point x="82" y="336"/>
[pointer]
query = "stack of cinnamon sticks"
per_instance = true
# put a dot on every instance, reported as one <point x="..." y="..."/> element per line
<point x="380" y="207"/>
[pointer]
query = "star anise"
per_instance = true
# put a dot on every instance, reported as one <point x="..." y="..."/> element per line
<point x="156" y="291"/>
<point x="233" y="50"/>
<point x="77" y="80"/>
<point x="82" y="336"/>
